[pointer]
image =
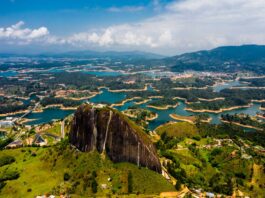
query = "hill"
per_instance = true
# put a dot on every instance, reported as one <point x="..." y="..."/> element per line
<point x="62" y="169"/>
<point x="222" y="59"/>
<point x="178" y="129"/>
<point x="123" y="55"/>
<point x="109" y="131"/>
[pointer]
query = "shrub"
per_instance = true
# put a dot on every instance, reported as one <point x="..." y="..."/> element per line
<point x="9" y="175"/>
<point x="130" y="182"/>
<point x="2" y="185"/>
<point x="94" y="185"/>
<point x="6" y="159"/>
<point x="66" y="177"/>
<point x="178" y="185"/>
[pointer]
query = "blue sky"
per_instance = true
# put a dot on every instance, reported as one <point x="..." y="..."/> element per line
<point x="68" y="16"/>
<point x="160" y="26"/>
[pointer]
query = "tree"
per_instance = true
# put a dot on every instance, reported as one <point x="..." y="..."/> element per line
<point x="178" y="185"/>
<point x="94" y="183"/>
<point x="130" y="182"/>
<point x="66" y="176"/>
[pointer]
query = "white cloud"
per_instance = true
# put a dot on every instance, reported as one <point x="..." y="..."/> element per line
<point x="188" y="25"/>
<point x="22" y="35"/>
<point x="184" y="25"/>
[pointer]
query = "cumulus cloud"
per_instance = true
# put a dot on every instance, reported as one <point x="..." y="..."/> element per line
<point x="185" y="25"/>
<point x="22" y="35"/>
<point x="116" y="35"/>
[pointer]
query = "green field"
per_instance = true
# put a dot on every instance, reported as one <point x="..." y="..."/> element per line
<point x="178" y="129"/>
<point x="62" y="170"/>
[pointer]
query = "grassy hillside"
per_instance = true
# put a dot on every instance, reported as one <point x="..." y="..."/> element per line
<point x="222" y="165"/>
<point x="63" y="170"/>
<point x="178" y="129"/>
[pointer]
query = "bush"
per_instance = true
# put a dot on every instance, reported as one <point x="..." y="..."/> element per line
<point x="9" y="175"/>
<point x="130" y="182"/>
<point x="178" y="185"/>
<point x="2" y="185"/>
<point x="94" y="185"/>
<point x="196" y="137"/>
<point x="6" y="159"/>
<point x="66" y="177"/>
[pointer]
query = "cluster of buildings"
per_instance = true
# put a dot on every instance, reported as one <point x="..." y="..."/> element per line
<point x="8" y="122"/>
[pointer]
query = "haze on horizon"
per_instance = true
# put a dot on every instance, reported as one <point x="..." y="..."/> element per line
<point x="166" y="27"/>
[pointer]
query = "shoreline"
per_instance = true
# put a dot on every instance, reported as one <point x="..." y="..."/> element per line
<point x="163" y="107"/>
<point x="260" y="116"/>
<point x="13" y="113"/>
<point x="124" y="101"/>
<point x="211" y="100"/>
<point x="252" y="77"/>
<point x="24" y="120"/>
<point x="155" y="97"/>
<point x="60" y="106"/>
<point x="190" y="88"/>
<point x="217" y="111"/>
<point x="182" y="118"/>
<point x="78" y="99"/>
<point x="128" y="90"/>
<point x="152" y="118"/>
<point x="183" y="99"/>
<point x="258" y="101"/>
<point x="190" y="119"/>
<point x="146" y="119"/>
<point x="242" y="125"/>
<point x="142" y="102"/>
<point x="247" y="88"/>
<point x="137" y="103"/>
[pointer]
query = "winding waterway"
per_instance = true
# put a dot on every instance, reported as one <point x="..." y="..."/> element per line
<point x="115" y="97"/>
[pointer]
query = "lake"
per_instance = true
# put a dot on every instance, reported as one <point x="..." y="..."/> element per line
<point x="114" y="97"/>
<point x="8" y="73"/>
<point x="227" y="85"/>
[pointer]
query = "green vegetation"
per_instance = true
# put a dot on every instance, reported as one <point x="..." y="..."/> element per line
<point x="167" y="83"/>
<point x="243" y="119"/>
<point x="55" y="101"/>
<point x="139" y="116"/>
<point x="63" y="170"/>
<point x="219" y="104"/>
<point x="228" y="59"/>
<point x="6" y="159"/>
<point x="163" y="102"/>
<point x="213" y="158"/>
<point x="8" y="105"/>
<point x="4" y="142"/>
<point x="254" y="82"/>
<point x="178" y="129"/>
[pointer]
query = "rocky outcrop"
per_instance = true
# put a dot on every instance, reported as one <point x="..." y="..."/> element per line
<point x="108" y="131"/>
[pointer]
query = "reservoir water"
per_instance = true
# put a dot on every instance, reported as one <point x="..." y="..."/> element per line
<point x="8" y="73"/>
<point x="115" y="97"/>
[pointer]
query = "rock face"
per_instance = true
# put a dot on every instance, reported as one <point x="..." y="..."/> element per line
<point x="107" y="130"/>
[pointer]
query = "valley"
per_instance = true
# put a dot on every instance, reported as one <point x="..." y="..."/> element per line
<point x="110" y="126"/>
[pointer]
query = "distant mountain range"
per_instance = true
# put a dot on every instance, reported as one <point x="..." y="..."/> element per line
<point x="129" y="55"/>
<point x="222" y="59"/>
<point x="227" y="59"/>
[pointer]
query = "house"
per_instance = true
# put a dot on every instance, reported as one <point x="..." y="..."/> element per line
<point x="39" y="140"/>
<point x="210" y="195"/>
<point x="15" y="144"/>
<point x="8" y="122"/>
